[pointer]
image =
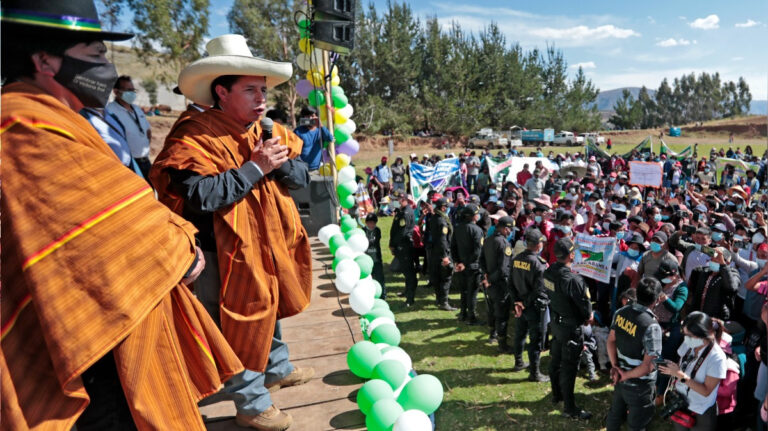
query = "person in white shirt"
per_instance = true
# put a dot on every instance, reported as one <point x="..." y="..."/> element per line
<point x="702" y="366"/>
<point x="137" y="129"/>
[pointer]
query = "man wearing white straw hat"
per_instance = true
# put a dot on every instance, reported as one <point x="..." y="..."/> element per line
<point x="229" y="175"/>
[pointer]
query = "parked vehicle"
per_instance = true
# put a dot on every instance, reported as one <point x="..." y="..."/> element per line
<point x="487" y="138"/>
<point x="594" y="137"/>
<point x="565" y="138"/>
<point x="532" y="137"/>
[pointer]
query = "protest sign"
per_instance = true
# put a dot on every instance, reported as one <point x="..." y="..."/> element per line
<point x="594" y="256"/>
<point x="426" y="178"/>
<point x="645" y="174"/>
<point x="502" y="170"/>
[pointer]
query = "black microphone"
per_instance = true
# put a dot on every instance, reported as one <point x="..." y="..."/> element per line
<point x="266" y="128"/>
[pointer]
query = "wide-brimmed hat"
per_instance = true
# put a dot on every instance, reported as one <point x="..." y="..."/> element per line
<point x="55" y="19"/>
<point x="228" y="55"/>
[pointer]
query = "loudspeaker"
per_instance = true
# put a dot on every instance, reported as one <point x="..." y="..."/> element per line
<point x="314" y="203"/>
<point x="333" y="25"/>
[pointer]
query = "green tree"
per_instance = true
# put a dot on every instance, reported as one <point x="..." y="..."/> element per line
<point x="272" y="33"/>
<point x="169" y="33"/>
<point x="150" y="86"/>
<point x="628" y="112"/>
<point x="581" y="113"/>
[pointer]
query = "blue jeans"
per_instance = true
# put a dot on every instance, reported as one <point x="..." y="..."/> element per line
<point x="246" y="389"/>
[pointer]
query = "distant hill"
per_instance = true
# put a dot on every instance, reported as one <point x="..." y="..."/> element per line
<point x="607" y="99"/>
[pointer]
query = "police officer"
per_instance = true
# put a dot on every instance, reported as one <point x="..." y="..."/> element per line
<point x="440" y="265"/>
<point x="466" y="245"/>
<point x="495" y="263"/>
<point x="633" y="343"/>
<point x="484" y="221"/>
<point x="401" y="245"/>
<point x="570" y="307"/>
<point x="530" y="300"/>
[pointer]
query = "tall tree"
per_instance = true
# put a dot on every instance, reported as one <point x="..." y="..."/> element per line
<point x="627" y="112"/>
<point x="169" y="33"/>
<point x="272" y="33"/>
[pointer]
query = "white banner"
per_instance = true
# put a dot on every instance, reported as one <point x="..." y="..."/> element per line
<point x="645" y="174"/>
<point x="594" y="256"/>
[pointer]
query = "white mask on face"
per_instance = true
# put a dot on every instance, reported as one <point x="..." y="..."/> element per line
<point x="758" y="238"/>
<point x="692" y="342"/>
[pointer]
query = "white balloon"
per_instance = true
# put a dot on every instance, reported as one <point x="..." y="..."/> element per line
<point x="306" y="62"/>
<point x="361" y="300"/>
<point x="345" y="252"/>
<point x="346" y="111"/>
<point x="400" y="389"/>
<point x="346" y="173"/>
<point x="326" y="232"/>
<point x="413" y="420"/>
<point x="349" y="126"/>
<point x="348" y="266"/>
<point x="399" y="355"/>
<point x="345" y="281"/>
<point x="367" y="284"/>
<point x="378" y="322"/>
<point x="358" y="242"/>
<point x="382" y="346"/>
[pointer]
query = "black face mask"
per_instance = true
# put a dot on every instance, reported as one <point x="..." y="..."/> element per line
<point x="90" y="82"/>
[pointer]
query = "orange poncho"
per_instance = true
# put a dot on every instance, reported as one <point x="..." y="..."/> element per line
<point x="263" y="250"/>
<point x="91" y="263"/>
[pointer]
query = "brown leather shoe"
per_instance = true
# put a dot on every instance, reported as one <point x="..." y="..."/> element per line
<point x="298" y="376"/>
<point x="272" y="419"/>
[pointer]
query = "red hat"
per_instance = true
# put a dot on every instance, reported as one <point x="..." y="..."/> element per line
<point x="592" y="158"/>
<point x="612" y="175"/>
<point x="747" y="189"/>
<point x="678" y="164"/>
<point x="762" y="247"/>
<point x="590" y="186"/>
<point x="384" y="159"/>
<point x="436" y="196"/>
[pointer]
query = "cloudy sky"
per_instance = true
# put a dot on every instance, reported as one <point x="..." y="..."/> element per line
<point x="618" y="43"/>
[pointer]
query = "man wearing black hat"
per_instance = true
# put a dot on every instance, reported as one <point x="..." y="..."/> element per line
<point x="466" y="247"/>
<point x="484" y="221"/>
<point x="531" y="301"/>
<point x="94" y="268"/>
<point x="440" y="265"/>
<point x="495" y="262"/>
<point x="401" y="245"/>
<point x="313" y="135"/>
<point x="570" y="307"/>
<point x="633" y="343"/>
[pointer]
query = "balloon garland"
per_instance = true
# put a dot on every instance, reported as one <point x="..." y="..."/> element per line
<point x="393" y="398"/>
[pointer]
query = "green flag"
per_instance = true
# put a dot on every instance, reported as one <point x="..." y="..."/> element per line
<point x="644" y="147"/>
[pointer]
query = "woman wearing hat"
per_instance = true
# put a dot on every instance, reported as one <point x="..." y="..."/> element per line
<point x="98" y="329"/>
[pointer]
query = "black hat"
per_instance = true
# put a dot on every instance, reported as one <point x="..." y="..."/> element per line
<point x="372" y="217"/>
<point x="442" y="202"/>
<point x="616" y="225"/>
<point x="534" y="236"/>
<point x="635" y="219"/>
<point x="703" y="230"/>
<point x="505" y="221"/>
<point x="71" y="19"/>
<point x="564" y="215"/>
<point x="667" y="268"/>
<point x="564" y="247"/>
<point x="308" y="111"/>
<point x="475" y="199"/>
<point x="470" y="210"/>
<point x="636" y="239"/>
<point x="661" y="236"/>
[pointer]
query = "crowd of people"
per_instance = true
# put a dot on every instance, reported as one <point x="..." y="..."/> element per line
<point x="680" y="325"/>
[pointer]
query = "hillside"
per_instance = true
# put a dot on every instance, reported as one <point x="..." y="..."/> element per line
<point x="607" y="99"/>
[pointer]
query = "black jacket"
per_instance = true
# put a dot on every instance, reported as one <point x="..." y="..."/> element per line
<point x="496" y="259"/>
<point x="719" y="299"/>
<point x="570" y="304"/>
<point x="441" y="231"/>
<point x="527" y="281"/>
<point x="466" y="245"/>
<point x="401" y="235"/>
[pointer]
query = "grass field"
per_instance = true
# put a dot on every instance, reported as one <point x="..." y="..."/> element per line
<point x="482" y="393"/>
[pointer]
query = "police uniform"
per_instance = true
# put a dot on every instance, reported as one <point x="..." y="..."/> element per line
<point x="401" y="240"/>
<point x="441" y="232"/>
<point x="466" y="246"/>
<point x="570" y="307"/>
<point x="527" y="287"/>
<point x="637" y="334"/>
<point x="496" y="262"/>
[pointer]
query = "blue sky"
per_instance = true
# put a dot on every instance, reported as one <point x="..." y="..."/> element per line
<point x="618" y="43"/>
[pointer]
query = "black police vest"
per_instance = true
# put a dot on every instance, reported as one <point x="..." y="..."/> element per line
<point x="560" y="306"/>
<point x="629" y="326"/>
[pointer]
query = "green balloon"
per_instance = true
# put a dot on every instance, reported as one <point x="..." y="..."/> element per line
<point x="339" y="100"/>
<point x="347" y="202"/>
<point x="335" y="242"/>
<point x="424" y="392"/>
<point x="362" y="358"/>
<point x="345" y="189"/>
<point x="352" y="231"/>
<point x="372" y="391"/>
<point x="388" y="334"/>
<point x="348" y="225"/>
<point x="337" y="91"/>
<point x="340" y="135"/>
<point x="366" y="265"/>
<point x="304" y="33"/>
<point x="380" y="303"/>
<point x="377" y="293"/>
<point x="383" y="415"/>
<point x="391" y="371"/>
<point x="304" y="24"/>
<point x="346" y="217"/>
<point x="380" y="312"/>
<point x="316" y="98"/>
